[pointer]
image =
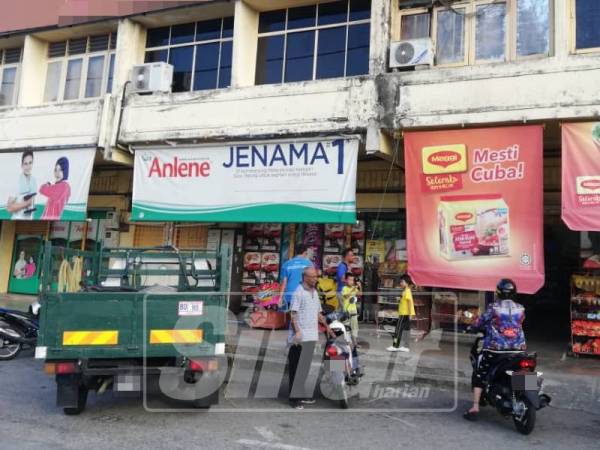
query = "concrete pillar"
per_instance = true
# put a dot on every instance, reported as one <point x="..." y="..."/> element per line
<point x="563" y="38"/>
<point x="131" y="45"/>
<point x="7" y="242"/>
<point x="245" y="42"/>
<point x="33" y="72"/>
<point x="380" y="36"/>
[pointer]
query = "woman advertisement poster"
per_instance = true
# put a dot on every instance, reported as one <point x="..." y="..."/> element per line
<point x="58" y="192"/>
<point x="62" y="187"/>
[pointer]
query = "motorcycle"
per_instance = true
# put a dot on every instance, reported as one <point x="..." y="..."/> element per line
<point x="18" y="329"/>
<point x="513" y="386"/>
<point x="341" y="368"/>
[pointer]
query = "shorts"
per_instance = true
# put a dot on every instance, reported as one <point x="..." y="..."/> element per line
<point x="354" y="326"/>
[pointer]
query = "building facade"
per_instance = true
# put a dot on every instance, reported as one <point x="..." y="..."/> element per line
<point x="249" y="70"/>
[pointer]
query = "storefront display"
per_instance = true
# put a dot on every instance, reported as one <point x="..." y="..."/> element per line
<point x="585" y="313"/>
<point x="261" y="257"/>
<point x="456" y="310"/>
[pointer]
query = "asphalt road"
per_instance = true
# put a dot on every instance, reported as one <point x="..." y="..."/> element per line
<point x="30" y="420"/>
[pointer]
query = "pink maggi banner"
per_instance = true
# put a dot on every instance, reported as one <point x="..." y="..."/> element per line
<point x="474" y="201"/>
<point x="581" y="176"/>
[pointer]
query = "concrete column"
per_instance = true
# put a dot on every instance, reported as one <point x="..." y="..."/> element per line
<point x="131" y="45"/>
<point x="33" y="72"/>
<point x="564" y="35"/>
<point x="7" y="242"/>
<point x="380" y="36"/>
<point x="245" y="42"/>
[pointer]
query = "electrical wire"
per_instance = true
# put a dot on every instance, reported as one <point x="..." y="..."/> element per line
<point x="478" y="11"/>
<point x="387" y="183"/>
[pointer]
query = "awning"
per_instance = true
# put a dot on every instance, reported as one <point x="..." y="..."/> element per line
<point x="45" y="184"/>
<point x="302" y="180"/>
<point x="581" y="176"/>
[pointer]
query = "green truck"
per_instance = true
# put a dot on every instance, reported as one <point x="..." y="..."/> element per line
<point x="129" y="319"/>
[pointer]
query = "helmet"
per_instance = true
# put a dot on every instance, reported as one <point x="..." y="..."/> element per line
<point x="506" y="289"/>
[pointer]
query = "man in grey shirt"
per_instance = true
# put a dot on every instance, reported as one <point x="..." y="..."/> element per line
<point x="306" y="313"/>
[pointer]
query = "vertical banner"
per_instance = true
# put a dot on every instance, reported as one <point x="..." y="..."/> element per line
<point x="581" y="176"/>
<point x="45" y="184"/>
<point x="474" y="201"/>
<point x="311" y="180"/>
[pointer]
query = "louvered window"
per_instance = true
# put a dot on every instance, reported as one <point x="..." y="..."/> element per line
<point x="10" y="59"/>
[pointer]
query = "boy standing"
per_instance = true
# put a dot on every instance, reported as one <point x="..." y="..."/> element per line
<point x="350" y="293"/>
<point x="406" y="309"/>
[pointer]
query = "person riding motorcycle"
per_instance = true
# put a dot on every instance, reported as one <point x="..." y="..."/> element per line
<point x="502" y="324"/>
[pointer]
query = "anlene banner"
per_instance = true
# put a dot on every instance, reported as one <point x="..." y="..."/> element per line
<point x="45" y="184"/>
<point x="474" y="201"/>
<point x="312" y="180"/>
<point x="581" y="176"/>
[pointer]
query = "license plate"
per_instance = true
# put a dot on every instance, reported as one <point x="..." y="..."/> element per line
<point x="524" y="381"/>
<point x="128" y="383"/>
<point x="190" y="308"/>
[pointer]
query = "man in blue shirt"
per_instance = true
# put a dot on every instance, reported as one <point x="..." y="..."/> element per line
<point x="340" y="274"/>
<point x="291" y="274"/>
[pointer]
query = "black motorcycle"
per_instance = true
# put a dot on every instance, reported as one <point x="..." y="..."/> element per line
<point x="18" y="329"/>
<point x="513" y="386"/>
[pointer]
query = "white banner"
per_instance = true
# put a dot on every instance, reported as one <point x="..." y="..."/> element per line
<point x="311" y="180"/>
<point x="45" y="185"/>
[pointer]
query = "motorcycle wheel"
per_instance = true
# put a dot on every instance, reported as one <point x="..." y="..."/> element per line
<point x="343" y="395"/>
<point x="525" y="423"/>
<point x="10" y="349"/>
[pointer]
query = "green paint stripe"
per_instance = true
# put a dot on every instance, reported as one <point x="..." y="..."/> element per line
<point x="159" y="206"/>
<point x="269" y="213"/>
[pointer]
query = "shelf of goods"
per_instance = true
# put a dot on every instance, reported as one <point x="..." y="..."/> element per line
<point x="456" y="310"/>
<point x="585" y="313"/>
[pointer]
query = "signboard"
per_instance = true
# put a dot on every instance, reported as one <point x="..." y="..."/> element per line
<point x="581" y="176"/>
<point x="45" y="185"/>
<point x="293" y="181"/>
<point x="475" y="207"/>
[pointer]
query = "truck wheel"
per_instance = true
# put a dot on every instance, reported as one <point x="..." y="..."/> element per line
<point x="82" y="393"/>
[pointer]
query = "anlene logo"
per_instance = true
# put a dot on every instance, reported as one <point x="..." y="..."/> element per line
<point x="591" y="184"/>
<point x="444" y="158"/>
<point x="179" y="169"/>
<point x="463" y="216"/>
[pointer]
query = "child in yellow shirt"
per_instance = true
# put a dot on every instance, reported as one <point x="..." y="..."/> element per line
<point x="406" y="310"/>
<point x="350" y="293"/>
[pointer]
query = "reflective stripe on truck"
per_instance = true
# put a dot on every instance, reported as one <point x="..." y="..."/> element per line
<point x="176" y="336"/>
<point x="105" y="337"/>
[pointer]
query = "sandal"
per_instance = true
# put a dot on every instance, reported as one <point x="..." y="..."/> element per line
<point x="471" y="416"/>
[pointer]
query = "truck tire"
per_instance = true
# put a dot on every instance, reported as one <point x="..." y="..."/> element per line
<point x="206" y="402"/>
<point x="82" y="393"/>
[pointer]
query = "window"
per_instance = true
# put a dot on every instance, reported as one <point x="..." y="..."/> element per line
<point x="9" y="68"/>
<point x="80" y="68"/>
<point x="314" y="42"/>
<point x="587" y="31"/>
<point x="200" y="53"/>
<point x="480" y="31"/>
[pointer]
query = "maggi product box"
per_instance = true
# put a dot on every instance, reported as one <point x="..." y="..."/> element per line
<point x="473" y="226"/>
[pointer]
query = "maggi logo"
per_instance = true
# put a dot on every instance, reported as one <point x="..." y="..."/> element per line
<point x="444" y="158"/>
<point x="463" y="216"/>
<point x="591" y="184"/>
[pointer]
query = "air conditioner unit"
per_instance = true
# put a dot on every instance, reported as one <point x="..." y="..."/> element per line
<point x="112" y="219"/>
<point x="152" y="77"/>
<point x="411" y="53"/>
<point x="111" y="239"/>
